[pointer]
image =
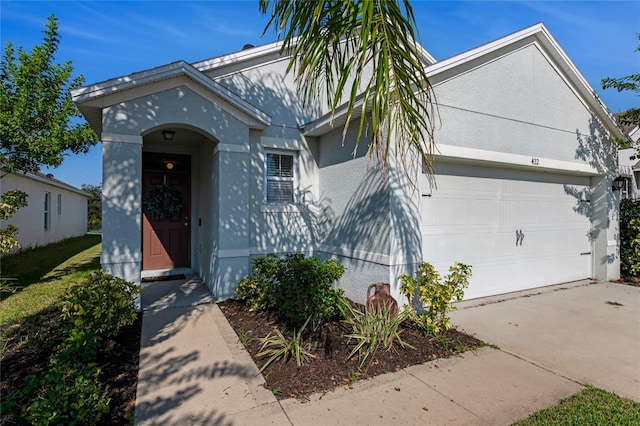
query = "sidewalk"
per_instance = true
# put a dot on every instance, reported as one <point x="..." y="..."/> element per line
<point x="194" y="370"/>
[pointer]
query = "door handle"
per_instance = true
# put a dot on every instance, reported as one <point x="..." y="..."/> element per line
<point x="186" y="221"/>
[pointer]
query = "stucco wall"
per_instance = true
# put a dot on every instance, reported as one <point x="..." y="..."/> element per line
<point x="68" y="220"/>
<point x="518" y="104"/>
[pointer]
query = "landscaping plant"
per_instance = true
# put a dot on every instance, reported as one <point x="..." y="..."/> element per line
<point x="430" y="297"/>
<point x="630" y="238"/>
<point x="295" y="287"/>
<point x="304" y="290"/>
<point x="372" y="329"/>
<point x="70" y="392"/>
<point x="101" y="304"/>
<point x="278" y="346"/>
<point x="257" y="289"/>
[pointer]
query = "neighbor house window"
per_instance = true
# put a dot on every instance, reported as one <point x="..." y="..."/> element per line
<point x="59" y="204"/>
<point x="47" y="211"/>
<point x="280" y="178"/>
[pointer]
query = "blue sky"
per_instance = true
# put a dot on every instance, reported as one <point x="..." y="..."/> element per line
<point x="107" y="39"/>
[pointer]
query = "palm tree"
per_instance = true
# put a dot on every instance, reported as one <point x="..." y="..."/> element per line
<point x="332" y="43"/>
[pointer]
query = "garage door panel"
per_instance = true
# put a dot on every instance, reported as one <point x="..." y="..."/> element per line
<point x="476" y="214"/>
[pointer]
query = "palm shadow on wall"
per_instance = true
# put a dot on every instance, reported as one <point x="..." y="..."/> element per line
<point x="596" y="150"/>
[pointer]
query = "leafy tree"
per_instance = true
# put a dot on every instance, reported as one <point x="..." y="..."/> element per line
<point x="39" y="122"/>
<point x="335" y="44"/>
<point x="94" y="210"/>
<point x="10" y="201"/>
<point x="37" y="114"/>
<point x="630" y="82"/>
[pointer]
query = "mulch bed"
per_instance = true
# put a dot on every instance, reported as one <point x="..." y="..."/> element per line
<point x="331" y="366"/>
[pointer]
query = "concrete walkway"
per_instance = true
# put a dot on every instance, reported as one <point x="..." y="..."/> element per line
<point x="194" y="370"/>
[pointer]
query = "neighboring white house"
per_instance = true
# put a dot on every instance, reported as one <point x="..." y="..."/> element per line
<point x="629" y="168"/>
<point x="524" y="173"/>
<point x="56" y="210"/>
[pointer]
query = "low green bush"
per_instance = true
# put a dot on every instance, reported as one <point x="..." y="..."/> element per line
<point x="257" y="289"/>
<point x="101" y="304"/>
<point x="295" y="287"/>
<point x="630" y="237"/>
<point x="304" y="290"/>
<point x="70" y="392"/>
<point x="428" y="292"/>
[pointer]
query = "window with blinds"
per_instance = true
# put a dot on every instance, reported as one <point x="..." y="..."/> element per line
<point x="280" y="178"/>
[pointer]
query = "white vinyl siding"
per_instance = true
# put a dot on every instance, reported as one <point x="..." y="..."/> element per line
<point x="280" y="178"/>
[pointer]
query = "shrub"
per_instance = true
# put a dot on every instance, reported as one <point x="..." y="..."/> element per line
<point x="372" y="329"/>
<point x="70" y="392"/>
<point x="304" y="290"/>
<point x="257" y="289"/>
<point x="630" y="237"/>
<point x="427" y="291"/>
<point x="101" y="304"/>
<point x="295" y="287"/>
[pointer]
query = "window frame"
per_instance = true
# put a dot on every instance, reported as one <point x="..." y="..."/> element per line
<point x="293" y="179"/>
<point x="47" y="211"/>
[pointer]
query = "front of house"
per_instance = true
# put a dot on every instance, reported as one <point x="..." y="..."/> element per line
<point x="523" y="174"/>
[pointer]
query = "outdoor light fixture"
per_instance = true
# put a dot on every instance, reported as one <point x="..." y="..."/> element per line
<point x="169" y="165"/>
<point x="618" y="183"/>
<point x="168" y="135"/>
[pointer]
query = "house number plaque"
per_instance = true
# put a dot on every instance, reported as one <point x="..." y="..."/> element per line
<point x="535" y="161"/>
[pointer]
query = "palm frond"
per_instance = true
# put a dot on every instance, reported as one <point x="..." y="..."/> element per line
<point x="365" y="55"/>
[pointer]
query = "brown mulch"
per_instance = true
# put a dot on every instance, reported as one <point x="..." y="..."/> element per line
<point x="119" y="358"/>
<point x="632" y="281"/>
<point x="331" y="366"/>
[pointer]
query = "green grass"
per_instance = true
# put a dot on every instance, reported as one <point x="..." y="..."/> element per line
<point x="591" y="406"/>
<point x="43" y="274"/>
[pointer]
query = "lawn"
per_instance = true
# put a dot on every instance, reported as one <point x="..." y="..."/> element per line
<point x="591" y="406"/>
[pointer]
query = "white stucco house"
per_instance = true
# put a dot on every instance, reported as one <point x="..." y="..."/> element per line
<point x="524" y="173"/>
<point x="56" y="210"/>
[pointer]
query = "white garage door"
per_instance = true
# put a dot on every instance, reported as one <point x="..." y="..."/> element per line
<point x="517" y="229"/>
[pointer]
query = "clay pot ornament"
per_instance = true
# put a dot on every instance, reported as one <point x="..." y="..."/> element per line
<point x="381" y="298"/>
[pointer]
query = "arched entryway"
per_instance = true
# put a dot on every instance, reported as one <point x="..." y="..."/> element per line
<point x="175" y="209"/>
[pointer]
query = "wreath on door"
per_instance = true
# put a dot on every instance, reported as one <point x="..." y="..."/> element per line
<point x="163" y="201"/>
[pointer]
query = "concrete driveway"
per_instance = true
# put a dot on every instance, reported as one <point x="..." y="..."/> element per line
<point x="588" y="332"/>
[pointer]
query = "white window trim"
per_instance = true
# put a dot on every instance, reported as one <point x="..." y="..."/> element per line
<point x="273" y="206"/>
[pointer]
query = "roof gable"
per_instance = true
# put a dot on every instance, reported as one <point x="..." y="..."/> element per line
<point x="93" y="98"/>
<point x="539" y="36"/>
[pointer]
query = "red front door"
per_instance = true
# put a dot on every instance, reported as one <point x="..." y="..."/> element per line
<point x="166" y="217"/>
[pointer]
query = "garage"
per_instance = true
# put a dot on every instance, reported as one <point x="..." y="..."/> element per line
<point x="518" y="229"/>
